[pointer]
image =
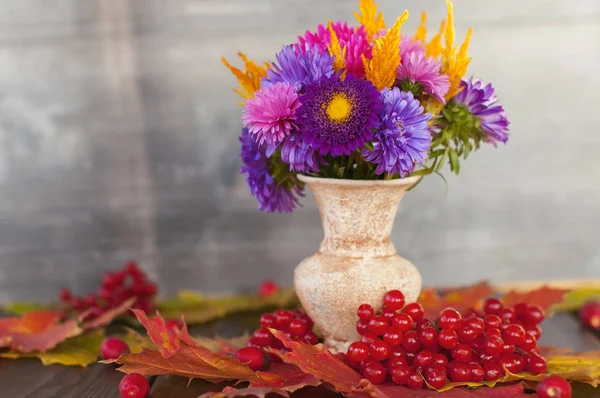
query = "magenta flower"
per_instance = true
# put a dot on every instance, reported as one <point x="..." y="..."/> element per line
<point x="271" y="115"/>
<point x="417" y="68"/>
<point x="409" y="45"/>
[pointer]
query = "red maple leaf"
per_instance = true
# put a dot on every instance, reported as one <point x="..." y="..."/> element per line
<point x="168" y="340"/>
<point x="108" y="316"/>
<point x="544" y="296"/>
<point x="36" y="331"/>
<point x="460" y="299"/>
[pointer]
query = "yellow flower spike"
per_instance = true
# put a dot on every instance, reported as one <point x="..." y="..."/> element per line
<point x="421" y="33"/>
<point x="336" y="51"/>
<point x="433" y="49"/>
<point x="381" y="68"/>
<point x="249" y="79"/>
<point x="369" y="18"/>
<point x="457" y="67"/>
<point x="449" y="33"/>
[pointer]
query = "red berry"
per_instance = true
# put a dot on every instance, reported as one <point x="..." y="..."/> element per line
<point x="134" y="385"/>
<point x="310" y="338"/>
<point x="365" y="312"/>
<point x="267" y="288"/>
<point x="358" y="351"/>
<point x="132" y="268"/>
<point x="514" y="335"/>
<point x="306" y="318"/>
<point x="589" y="315"/>
<point x="393" y="337"/>
<point x="283" y="318"/>
<point x="436" y="378"/>
<point x="150" y="289"/>
<point x="411" y="342"/>
<point x="368" y="338"/>
<point x="507" y="315"/>
<point x="477" y="372"/>
<point x="415" y="381"/>
<point x="466" y="334"/>
<point x="91" y="300"/>
<point x="378" y="325"/>
<point x="415" y="310"/>
<point x="448" y="339"/>
<point x="402" y="322"/>
<point x="535" y="331"/>
<point x="429" y="336"/>
<point x="462" y="353"/>
<point x="529" y="343"/>
<point x="409" y="357"/>
<point x="460" y="372"/>
<point x="113" y="348"/>
<point x="374" y="372"/>
<point x="394" y="300"/>
<point x="65" y="295"/>
<point x="554" y="387"/>
<point x="439" y="360"/>
<point x="493" y="345"/>
<point x="77" y="304"/>
<point x="423" y="359"/>
<point x="449" y="319"/>
<point x="399" y="374"/>
<point x="492" y="306"/>
<point x="520" y="309"/>
<point x="493" y="371"/>
<point x="379" y="350"/>
<point x="492" y="321"/>
<point x="254" y="357"/>
<point x="533" y="315"/>
<point x="388" y="314"/>
<point x="297" y="327"/>
<point x="422" y="324"/>
<point x="508" y="348"/>
<point x="537" y="364"/>
<point x="493" y="332"/>
<point x="362" y="326"/>
<point x="268" y="320"/>
<point x="262" y="337"/>
<point x="397" y="353"/>
<point x="519" y="363"/>
<point x="93" y="313"/>
<point x="476" y="324"/>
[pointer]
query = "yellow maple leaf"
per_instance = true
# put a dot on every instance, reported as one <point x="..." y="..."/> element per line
<point x="369" y="18"/>
<point x="336" y="51"/>
<point x="381" y="68"/>
<point x="249" y="79"/>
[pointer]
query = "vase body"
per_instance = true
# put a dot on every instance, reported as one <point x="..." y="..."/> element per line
<point x="356" y="262"/>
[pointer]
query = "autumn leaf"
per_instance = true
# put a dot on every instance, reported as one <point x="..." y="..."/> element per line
<point x="221" y="345"/>
<point x="82" y="350"/>
<point x="544" y="297"/>
<point x="24" y="307"/>
<point x="108" y="316"/>
<point x="198" y="309"/>
<point x="36" y="331"/>
<point x="460" y="299"/>
<point x="318" y="361"/>
<point x="500" y="391"/>
<point x="574" y="299"/>
<point x="260" y="392"/>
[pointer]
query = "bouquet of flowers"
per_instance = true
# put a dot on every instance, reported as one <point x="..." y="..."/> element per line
<point x="363" y="102"/>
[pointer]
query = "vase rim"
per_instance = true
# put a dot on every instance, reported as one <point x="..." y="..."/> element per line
<point x="407" y="181"/>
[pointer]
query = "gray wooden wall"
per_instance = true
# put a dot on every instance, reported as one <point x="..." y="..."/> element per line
<point x="118" y="140"/>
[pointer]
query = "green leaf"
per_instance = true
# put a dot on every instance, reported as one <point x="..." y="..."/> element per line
<point x="574" y="299"/>
<point x="454" y="165"/>
<point x="22" y="308"/>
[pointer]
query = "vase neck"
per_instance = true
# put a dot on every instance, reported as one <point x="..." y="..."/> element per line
<point x="357" y="218"/>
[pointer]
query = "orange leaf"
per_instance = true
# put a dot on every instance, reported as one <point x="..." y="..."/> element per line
<point x="108" y="316"/>
<point x="321" y="363"/>
<point x="36" y="331"/>
<point x="284" y="376"/>
<point x="167" y="340"/>
<point x="544" y="296"/>
<point x="260" y="392"/>
<point x="460" y="299"/>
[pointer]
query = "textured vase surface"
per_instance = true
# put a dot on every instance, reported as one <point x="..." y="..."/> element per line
<point x="357" y="262"/>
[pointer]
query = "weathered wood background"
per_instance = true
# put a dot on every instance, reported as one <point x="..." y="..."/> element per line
<point x="119" y="131"/>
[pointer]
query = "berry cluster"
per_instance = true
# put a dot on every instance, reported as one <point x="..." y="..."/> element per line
<point x="401" y="345"/>
<point x="116" y="288"/>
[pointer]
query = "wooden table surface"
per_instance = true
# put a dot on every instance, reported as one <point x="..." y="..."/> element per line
<point x="28" y="378"/>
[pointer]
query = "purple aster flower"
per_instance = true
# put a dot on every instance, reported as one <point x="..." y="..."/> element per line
<point x="403" y="136"/>
<point x="271" y="196"/>
<point x="417" y="68"/>
<point x="299" y="155"/>
<point x="271" y="114"/>
<point x="300" y="66"/>
<point x="337" y="116"/>
<point x="481" y="101"/>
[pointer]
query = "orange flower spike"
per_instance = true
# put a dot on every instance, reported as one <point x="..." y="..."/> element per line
<point x="421" y="33"/>
<point x="369" y="18"/>
<point x="381" y="68"/>
<point x="433" y="49"/>
<point x="249" y="79"/>
<point x="454" y="63"/>
<point x="336" y="51"/>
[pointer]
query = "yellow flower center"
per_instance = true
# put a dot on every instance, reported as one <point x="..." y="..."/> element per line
<point x="339" y="107"/>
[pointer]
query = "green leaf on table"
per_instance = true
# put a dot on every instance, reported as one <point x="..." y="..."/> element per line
<point x="82" y="350"/>
<point x="574" y="299"/>
<point x="198" y="309"/>
<point x="23" y="307"/>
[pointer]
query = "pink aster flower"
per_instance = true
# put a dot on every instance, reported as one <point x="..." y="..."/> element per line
<point x="354" y="39"/>
<point x="409" y="45"/>
<point x="417" y="68"/>
<point x="271" y="115"/>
